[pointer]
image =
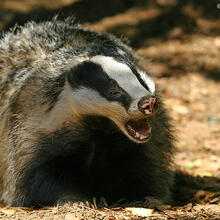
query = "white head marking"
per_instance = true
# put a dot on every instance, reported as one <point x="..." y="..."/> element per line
<point x="147" y="80"/>
<point x="125" y="77"/>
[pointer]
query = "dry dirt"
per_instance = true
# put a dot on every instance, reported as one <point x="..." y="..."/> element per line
<point x="180" y="43"/>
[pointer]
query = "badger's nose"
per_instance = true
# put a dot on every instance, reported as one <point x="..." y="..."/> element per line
<point x="148" y="105"/>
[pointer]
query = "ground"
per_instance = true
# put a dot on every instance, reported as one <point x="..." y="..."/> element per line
<point x="180" y="46"/>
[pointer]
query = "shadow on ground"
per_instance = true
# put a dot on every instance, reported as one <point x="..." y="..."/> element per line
<point x="195" y="189"/>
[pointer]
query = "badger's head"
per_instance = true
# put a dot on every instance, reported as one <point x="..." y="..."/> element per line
<point x="102" y="86"/>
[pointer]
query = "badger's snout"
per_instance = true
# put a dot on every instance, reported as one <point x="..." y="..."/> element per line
<point x="148" y="105"/>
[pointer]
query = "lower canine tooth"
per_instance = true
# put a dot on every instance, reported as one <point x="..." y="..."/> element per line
<point x="137" y="135"/>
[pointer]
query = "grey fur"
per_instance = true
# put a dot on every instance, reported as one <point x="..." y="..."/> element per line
<point x="33" y="63"/>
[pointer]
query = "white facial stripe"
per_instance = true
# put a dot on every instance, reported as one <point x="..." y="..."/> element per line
<point x="87" y="101"/>
<point x="73" y="104"/>
<point x="122" y="74"/>
<point x="148" y="81"/>
<point x="88" y="96"/>
<point x="82" y="100"/>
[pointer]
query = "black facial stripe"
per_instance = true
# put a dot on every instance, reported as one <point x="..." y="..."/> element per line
<point x="139" y="77"/>
<point x="123" y="96"/>
<point x="91" y="75"/>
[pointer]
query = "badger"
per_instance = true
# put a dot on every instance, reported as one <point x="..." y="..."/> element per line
<point x="79" y="118"/>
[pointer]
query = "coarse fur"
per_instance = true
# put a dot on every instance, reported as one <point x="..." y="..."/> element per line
<point x="62" y="133"/>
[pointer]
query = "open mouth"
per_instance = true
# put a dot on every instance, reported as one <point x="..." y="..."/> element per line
<point x="139" y="129"/>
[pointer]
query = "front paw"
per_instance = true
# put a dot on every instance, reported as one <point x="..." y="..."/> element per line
<point x="70" y="199"/>
<point x="83" y="201"/>
<point x="153" y="202"/>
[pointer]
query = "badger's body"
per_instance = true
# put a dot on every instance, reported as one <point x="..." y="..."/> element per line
<point x="73" y="119"/>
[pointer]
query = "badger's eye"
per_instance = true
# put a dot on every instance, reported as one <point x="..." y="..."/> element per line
<point x="115" y="93"/>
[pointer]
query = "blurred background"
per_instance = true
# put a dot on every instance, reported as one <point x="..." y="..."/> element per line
<point x="180" y="44"/>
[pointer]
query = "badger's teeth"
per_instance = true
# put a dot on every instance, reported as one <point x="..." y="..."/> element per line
<point x="142" y="137"/>
<point x="137" y="135"/>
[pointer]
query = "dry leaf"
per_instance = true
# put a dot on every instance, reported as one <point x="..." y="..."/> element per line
<point x="143" y="212"/>
<point x="8" y="211"/>
<point x="203" y="174"/>
<point x="191" y="165"/>
<point x="198" y="163"/>
<point x="180" y="109"/>
<point x="189" y="207"/>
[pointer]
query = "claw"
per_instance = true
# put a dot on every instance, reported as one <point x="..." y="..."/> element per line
<point x="87" y="204"/>
<point x="103" y="202"/>
<point x="94" y="202"/>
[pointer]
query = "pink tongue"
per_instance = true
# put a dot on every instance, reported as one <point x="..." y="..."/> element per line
<point x="142" y="131"/>
<point x="139" y="128"/>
